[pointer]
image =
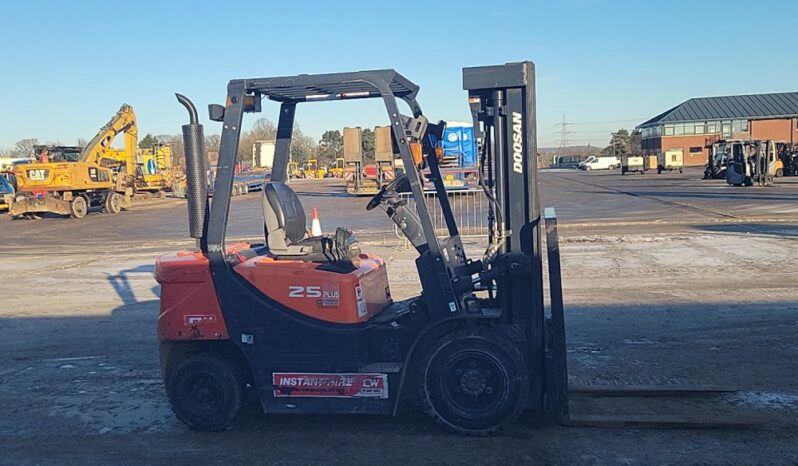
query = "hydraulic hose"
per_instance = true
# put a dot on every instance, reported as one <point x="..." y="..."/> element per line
<point x="196" y="171"/>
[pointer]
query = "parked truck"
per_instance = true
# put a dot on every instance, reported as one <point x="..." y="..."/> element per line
<point x="263" y="154"/>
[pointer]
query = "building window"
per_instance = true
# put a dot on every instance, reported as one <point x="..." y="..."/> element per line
<point x="678" y="129"/>
<point x="689" y="128"/>
<point x="699" y="128"/>
<point x="712" y="127"/>
<point x="668" y="130"/>
<point x="726" y="129"/>
<point x="696" y="150"/>
<point x="739" y="126"/>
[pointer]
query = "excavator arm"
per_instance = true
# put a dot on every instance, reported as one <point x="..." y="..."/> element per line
<point x="123" y="122"/>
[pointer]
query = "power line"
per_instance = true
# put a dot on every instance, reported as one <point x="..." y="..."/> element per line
<point x="601" y="122"/>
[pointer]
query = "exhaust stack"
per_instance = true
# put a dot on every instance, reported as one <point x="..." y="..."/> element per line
<point x="196" y="172"/>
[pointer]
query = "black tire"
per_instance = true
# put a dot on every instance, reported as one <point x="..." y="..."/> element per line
<point x="779" y="173"/>
<point x="206" y="391"/>
<point x="587" y="169"/>
<point x="79" y="207"/>
<point x="113" y="203"/>
<point x="611" y="167"/>
<point x="474" y="382"/>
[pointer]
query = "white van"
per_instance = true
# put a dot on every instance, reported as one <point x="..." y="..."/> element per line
<point x="600" y="163"/>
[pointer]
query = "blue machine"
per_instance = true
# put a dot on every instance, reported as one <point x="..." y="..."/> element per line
<point x="458" y="145"/>
<point x="459" y="165"/>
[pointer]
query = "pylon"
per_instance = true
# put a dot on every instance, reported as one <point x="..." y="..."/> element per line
<point x="315" y="225"/>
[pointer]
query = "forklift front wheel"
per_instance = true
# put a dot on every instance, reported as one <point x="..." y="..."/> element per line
<point x="206" y="392"/>
<point x="474" y="382"/>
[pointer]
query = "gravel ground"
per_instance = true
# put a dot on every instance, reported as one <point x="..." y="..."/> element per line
<point x="82" y="386"/>
<point x="675" y="290"/>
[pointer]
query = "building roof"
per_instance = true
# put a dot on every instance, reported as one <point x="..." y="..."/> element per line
<point x="755" y="106"/>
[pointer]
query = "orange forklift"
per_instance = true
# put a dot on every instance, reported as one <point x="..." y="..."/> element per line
<point x="308" y="323"/>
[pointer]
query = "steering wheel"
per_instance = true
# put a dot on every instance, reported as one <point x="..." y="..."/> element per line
<point x="375" y="201"/>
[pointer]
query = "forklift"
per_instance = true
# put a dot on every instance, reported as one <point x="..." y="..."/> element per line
<point x="308" y="324"/>
<point x="752" y="162"/>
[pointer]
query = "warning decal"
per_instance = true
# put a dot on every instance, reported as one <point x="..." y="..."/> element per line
<point x="356" y="385"/>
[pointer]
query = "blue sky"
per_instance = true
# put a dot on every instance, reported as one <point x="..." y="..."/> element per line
<point x="66" y="67"/>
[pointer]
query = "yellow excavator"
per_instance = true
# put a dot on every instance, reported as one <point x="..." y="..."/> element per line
<point x="154" y="171"/>
<point x="151" y="168"/>
<point x="95" y="179"/>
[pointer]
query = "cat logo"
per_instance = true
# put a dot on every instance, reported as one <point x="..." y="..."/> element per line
<point x="37" y="174"/>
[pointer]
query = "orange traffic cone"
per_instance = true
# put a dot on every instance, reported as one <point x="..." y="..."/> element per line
<point x="315" y="225"/>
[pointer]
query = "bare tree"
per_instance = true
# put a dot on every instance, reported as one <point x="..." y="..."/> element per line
<point x="24" y="147"/>
<point x="83" y="142"/>
<point x="263" y="129"/>
<point x="212" y="143"/>
<point x="331" y="146"/>
<point x="303" y="147"/>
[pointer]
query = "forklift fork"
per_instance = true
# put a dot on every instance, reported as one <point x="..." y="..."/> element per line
<point x="558" y="392"/>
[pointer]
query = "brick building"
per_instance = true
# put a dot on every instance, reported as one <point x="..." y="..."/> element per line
<point x="693" y="125"/>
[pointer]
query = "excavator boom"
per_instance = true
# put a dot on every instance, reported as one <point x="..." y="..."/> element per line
<point x="123" y="122"/>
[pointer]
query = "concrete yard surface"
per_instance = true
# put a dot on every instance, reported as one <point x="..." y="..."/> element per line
<point x="693" y="291"/>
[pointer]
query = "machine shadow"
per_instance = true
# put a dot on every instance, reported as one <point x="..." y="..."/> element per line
<point x="761" y="196"/>
<point x="755" y="229"/>
<point x="695" y="344"/>
<point x="121" y="282"/>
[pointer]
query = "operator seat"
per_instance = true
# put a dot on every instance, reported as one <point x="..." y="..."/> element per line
<point x="286" y="230"/>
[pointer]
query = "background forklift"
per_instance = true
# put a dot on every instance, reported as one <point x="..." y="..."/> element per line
<point x="308" y="323"/>
<point x="752" y="162"/>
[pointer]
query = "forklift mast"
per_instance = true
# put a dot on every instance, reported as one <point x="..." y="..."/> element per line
<point x="502" y="102"/>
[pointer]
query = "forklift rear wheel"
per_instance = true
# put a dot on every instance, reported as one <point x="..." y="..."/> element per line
<point x="206" y="392"/>
<point x="78" y="208"/>
<point x="113" y="203"/>
<point x="474" y="382"/>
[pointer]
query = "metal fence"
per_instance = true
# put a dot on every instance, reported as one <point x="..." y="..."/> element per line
<point x="470" y="209"/>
